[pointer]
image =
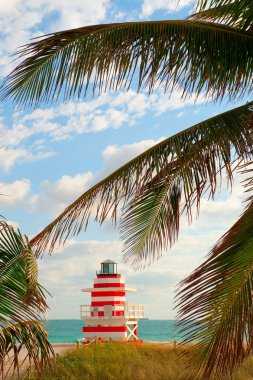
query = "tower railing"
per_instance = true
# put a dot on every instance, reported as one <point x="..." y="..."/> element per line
<point x="134" y="311"/>
<point x="129" y="311"/>
<point x="100" y="272"/>
<point x="85" y="311"/>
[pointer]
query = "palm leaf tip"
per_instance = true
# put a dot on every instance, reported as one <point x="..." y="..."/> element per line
<point x="157" y="53"/>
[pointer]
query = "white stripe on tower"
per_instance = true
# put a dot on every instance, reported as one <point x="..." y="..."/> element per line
<point x="108" y="299"/>
<point x="106" y="280"/>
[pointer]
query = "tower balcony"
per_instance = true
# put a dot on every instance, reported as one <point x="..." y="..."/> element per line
<point x="127" y="311"/>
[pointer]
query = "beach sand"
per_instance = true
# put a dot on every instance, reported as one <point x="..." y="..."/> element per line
<point x="59" y="349"/>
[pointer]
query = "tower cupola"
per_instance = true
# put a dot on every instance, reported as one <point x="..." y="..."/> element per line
<point x="108" y="267"/>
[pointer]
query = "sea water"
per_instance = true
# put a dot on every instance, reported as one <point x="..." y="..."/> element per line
<point x="69" y="330"/>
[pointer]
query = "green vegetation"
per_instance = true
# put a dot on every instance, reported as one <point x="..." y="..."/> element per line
<point x="22" y="301"/>
<point x="119" y="361"/>
<point x="128" y="362"/>
<point x="209" y="54"/>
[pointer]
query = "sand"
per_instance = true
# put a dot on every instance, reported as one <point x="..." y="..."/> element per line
<point x="59" y="349"/>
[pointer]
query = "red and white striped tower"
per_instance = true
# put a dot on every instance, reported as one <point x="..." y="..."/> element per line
<point x="109" y="316"/>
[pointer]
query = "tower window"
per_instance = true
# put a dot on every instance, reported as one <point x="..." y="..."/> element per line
<point x="108" y="267"/>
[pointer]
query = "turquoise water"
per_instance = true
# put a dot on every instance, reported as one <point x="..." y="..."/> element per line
<point x="69" y="330"/>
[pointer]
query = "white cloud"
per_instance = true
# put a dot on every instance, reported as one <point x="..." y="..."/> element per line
<point x="108" y="111"/>
<point x="15" y="135"/>
<point x="136" y="103"/>
<point x="78" y="13"/>
<point x="61" y="122"/>
<point x="9" y="157"/>
<point x="171" y="6"/>
<point x="22" y="19"/>
<point x="57" y="195"/>
<point x="161" y="102"/>
<point x="15" y="193"/>
<point x="7" y="7"/>
<point x="116" y="156"/>
<point x="93" y="116"/>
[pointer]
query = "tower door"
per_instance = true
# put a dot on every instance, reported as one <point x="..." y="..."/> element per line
<point x="95" y="311"/>
<point x="108" y="311"/>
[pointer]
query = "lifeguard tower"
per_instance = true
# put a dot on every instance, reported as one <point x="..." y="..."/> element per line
<point x="109" y="316"/>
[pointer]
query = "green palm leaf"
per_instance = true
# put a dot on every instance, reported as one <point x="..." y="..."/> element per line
<point x="238" y="14"/>
<point x="22" y="302"/>
<point x="192" y="159"/>
<point x="21" y="295"/>
<point x="189" y="54"/>
<point x="215" y="302"/>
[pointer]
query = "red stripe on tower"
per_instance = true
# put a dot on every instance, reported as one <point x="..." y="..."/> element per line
<point x="108" y="294"/>
<point x="107" y="303"/>
<point x="108" y="276"/>
<point x="102" y="314"/>
<point x="109" y="285"/>
<point x="105" y="329"/>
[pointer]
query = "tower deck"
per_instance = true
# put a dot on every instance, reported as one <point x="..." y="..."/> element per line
<point x="118" y="313"/>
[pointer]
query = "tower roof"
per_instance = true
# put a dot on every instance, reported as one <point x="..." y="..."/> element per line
<point x="108" y="261"/>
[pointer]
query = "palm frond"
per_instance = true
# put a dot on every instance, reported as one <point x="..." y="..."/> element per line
<point x="22" y="302"/>
<point x="237" y="14"/>
<point x="151" y="222"/>
<point x="21" y="295"/>
<point x="29" y="337"/>
<point x="215" y="302"/>
<point x="192" y="55"/>
<point x="192" y="158"/>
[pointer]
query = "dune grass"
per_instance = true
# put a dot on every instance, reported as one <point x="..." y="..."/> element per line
<point x="125" y="362"/>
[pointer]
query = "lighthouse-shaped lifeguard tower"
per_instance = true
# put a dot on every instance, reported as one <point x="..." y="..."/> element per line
<point x="109" y="316"/>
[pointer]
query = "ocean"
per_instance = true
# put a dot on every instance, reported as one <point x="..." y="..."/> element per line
<point x="69" y="330"/>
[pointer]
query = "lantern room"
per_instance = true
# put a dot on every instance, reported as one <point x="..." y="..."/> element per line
<point x="108" y="267"/>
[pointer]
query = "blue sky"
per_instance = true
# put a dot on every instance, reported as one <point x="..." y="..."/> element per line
<point x="52" y="154"/>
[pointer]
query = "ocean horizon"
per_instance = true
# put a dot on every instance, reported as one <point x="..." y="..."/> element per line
<point x="70" y="330"/>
